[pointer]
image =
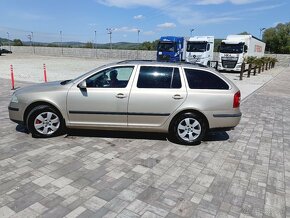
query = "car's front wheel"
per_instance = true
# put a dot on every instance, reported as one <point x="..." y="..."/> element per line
<point x="188" y="128"/>
<point x="44" y="121"/>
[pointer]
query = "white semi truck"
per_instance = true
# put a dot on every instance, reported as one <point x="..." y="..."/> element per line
<point x="235" y="48"/>
<point x="199" y="49"/>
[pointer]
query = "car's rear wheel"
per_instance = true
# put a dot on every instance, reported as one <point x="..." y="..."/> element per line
<point x="44" y="121"/>
<point x="188" y="128"/>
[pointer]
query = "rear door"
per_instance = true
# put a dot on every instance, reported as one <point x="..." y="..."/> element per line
<point x="156" y="93"/>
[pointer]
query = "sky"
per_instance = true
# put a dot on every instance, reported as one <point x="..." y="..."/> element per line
<point x="88" y="20"/>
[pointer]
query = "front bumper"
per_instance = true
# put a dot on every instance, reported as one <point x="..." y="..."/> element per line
<point x="237" y="68"/>
<point x="15" y="113"/>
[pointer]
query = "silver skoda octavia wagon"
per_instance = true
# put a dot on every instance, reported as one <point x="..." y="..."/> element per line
<point x="181" y="99"/>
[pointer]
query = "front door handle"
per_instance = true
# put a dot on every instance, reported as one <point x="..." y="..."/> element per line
<point x="177" y="97"/>
<point x="120" y="95"/>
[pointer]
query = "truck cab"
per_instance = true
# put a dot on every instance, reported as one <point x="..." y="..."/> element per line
<point x="235" y="48"/>
<point x="170" y="49"/>
<point x="199" y="49"/>
<point x="232" y="54"/>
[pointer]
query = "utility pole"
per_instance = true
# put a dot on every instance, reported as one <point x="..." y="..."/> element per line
<point x="32" y="44"/>
<point x="95" y="42"/>
<point x="191" y="31"/>
<point x="110" y="31"/>
<point x="8" y="36"/>
<point x="138" y="43"/>
<point x="60" y="33"/>
<point x="261" y="30"/>
<point x="29" y="36"/>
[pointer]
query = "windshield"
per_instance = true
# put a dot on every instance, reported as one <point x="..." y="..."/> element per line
<point x="166" y="46"/>
<point x="196" y="46"/>
<point x="88" y="73"/>
<point x="231" y="48"/>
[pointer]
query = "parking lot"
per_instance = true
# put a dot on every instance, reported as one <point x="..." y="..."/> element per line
<point x="241" y="173"/>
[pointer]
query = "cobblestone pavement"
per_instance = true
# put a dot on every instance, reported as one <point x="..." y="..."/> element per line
<point x="242" y="173"/>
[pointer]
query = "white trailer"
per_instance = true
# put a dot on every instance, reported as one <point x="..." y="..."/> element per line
<point x="199" y="50"/>
<point x="235" y="48"/>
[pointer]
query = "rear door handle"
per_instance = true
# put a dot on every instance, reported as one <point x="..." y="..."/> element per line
<point x="177" y="97"/>
<point x="121" y="95"/>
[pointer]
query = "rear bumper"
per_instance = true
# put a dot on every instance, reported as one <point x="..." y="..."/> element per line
<point x="224" y="120"/>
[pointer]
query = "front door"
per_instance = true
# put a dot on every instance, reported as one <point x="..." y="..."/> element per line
<point x="104" y="101"/>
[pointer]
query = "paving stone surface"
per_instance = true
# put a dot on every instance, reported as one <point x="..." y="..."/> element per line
<point x="241" y="173"/>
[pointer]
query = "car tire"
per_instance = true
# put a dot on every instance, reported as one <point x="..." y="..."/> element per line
<point x="188" y="129"/>
<point x="43" y="121"/>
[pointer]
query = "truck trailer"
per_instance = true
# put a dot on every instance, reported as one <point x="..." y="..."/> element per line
<point x="171" y="49"/>
<point x="235" y="48"/>
<point x="199" y="49"/>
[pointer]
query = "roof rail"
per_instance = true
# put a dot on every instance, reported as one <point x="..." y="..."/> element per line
<point x="197" y="64"/>
<point x="125" y="61"/>
<point x="180" y="62"/>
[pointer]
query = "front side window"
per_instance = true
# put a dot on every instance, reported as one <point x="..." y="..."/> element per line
<point x="166" y="46"/>
<point x="196" y="46"/>
<point x="199" y="79"/>
<point x="159" y="77"/>
<point x="115" y="77"/>
<point x="208" y="47"/>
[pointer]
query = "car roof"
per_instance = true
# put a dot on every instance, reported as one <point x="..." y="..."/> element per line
<point x="154" y="62"/>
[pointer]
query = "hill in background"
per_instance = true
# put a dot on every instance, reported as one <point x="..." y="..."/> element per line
<point x="119" y="45"/>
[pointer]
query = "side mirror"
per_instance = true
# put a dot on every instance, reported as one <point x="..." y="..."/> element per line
<point x="82" y="84"/>
<point x="245" y="48"/>
<point x="208" y="47"/>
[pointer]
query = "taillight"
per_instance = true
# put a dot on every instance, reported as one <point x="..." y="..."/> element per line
<point x="237" y="98"/>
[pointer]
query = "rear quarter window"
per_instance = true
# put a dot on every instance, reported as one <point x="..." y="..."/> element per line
<point x="200" y="79"/>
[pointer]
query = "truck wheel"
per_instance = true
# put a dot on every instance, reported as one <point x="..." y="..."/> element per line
<point x="44" y="121"/>
<point x="188" y="129"/>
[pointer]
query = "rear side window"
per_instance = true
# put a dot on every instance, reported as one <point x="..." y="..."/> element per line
<point x="159" y="77"/>
<point x="199" y="79"/>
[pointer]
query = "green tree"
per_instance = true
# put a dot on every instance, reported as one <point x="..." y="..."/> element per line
<point x="89" y="45"/>
<point x="17" y="42"/>
<point x="277" y="38"/>
<point x="149" y="45"/>
<point x="244" y="33"/>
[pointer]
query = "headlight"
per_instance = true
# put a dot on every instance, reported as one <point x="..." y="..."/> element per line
<point x="14" y="99"/>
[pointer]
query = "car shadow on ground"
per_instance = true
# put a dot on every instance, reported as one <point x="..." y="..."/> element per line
<point x="72" y="133"/>
<point x="211" y="136"/>
<point x="115" y="134"/>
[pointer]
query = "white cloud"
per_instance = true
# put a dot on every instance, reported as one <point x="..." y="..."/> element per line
<point x="92" y="24"/>
<point x="188" y="13"/>
<point x="125" y="29"/>
<point x="132" y="3"/>
<point x="149" y="33"/>
<point x="166" y="25"/>
<point x="139" y="17"/>
<point x="267" y="7"/>
<point x="216" y="2"/>
<point x="29" y="16"/>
